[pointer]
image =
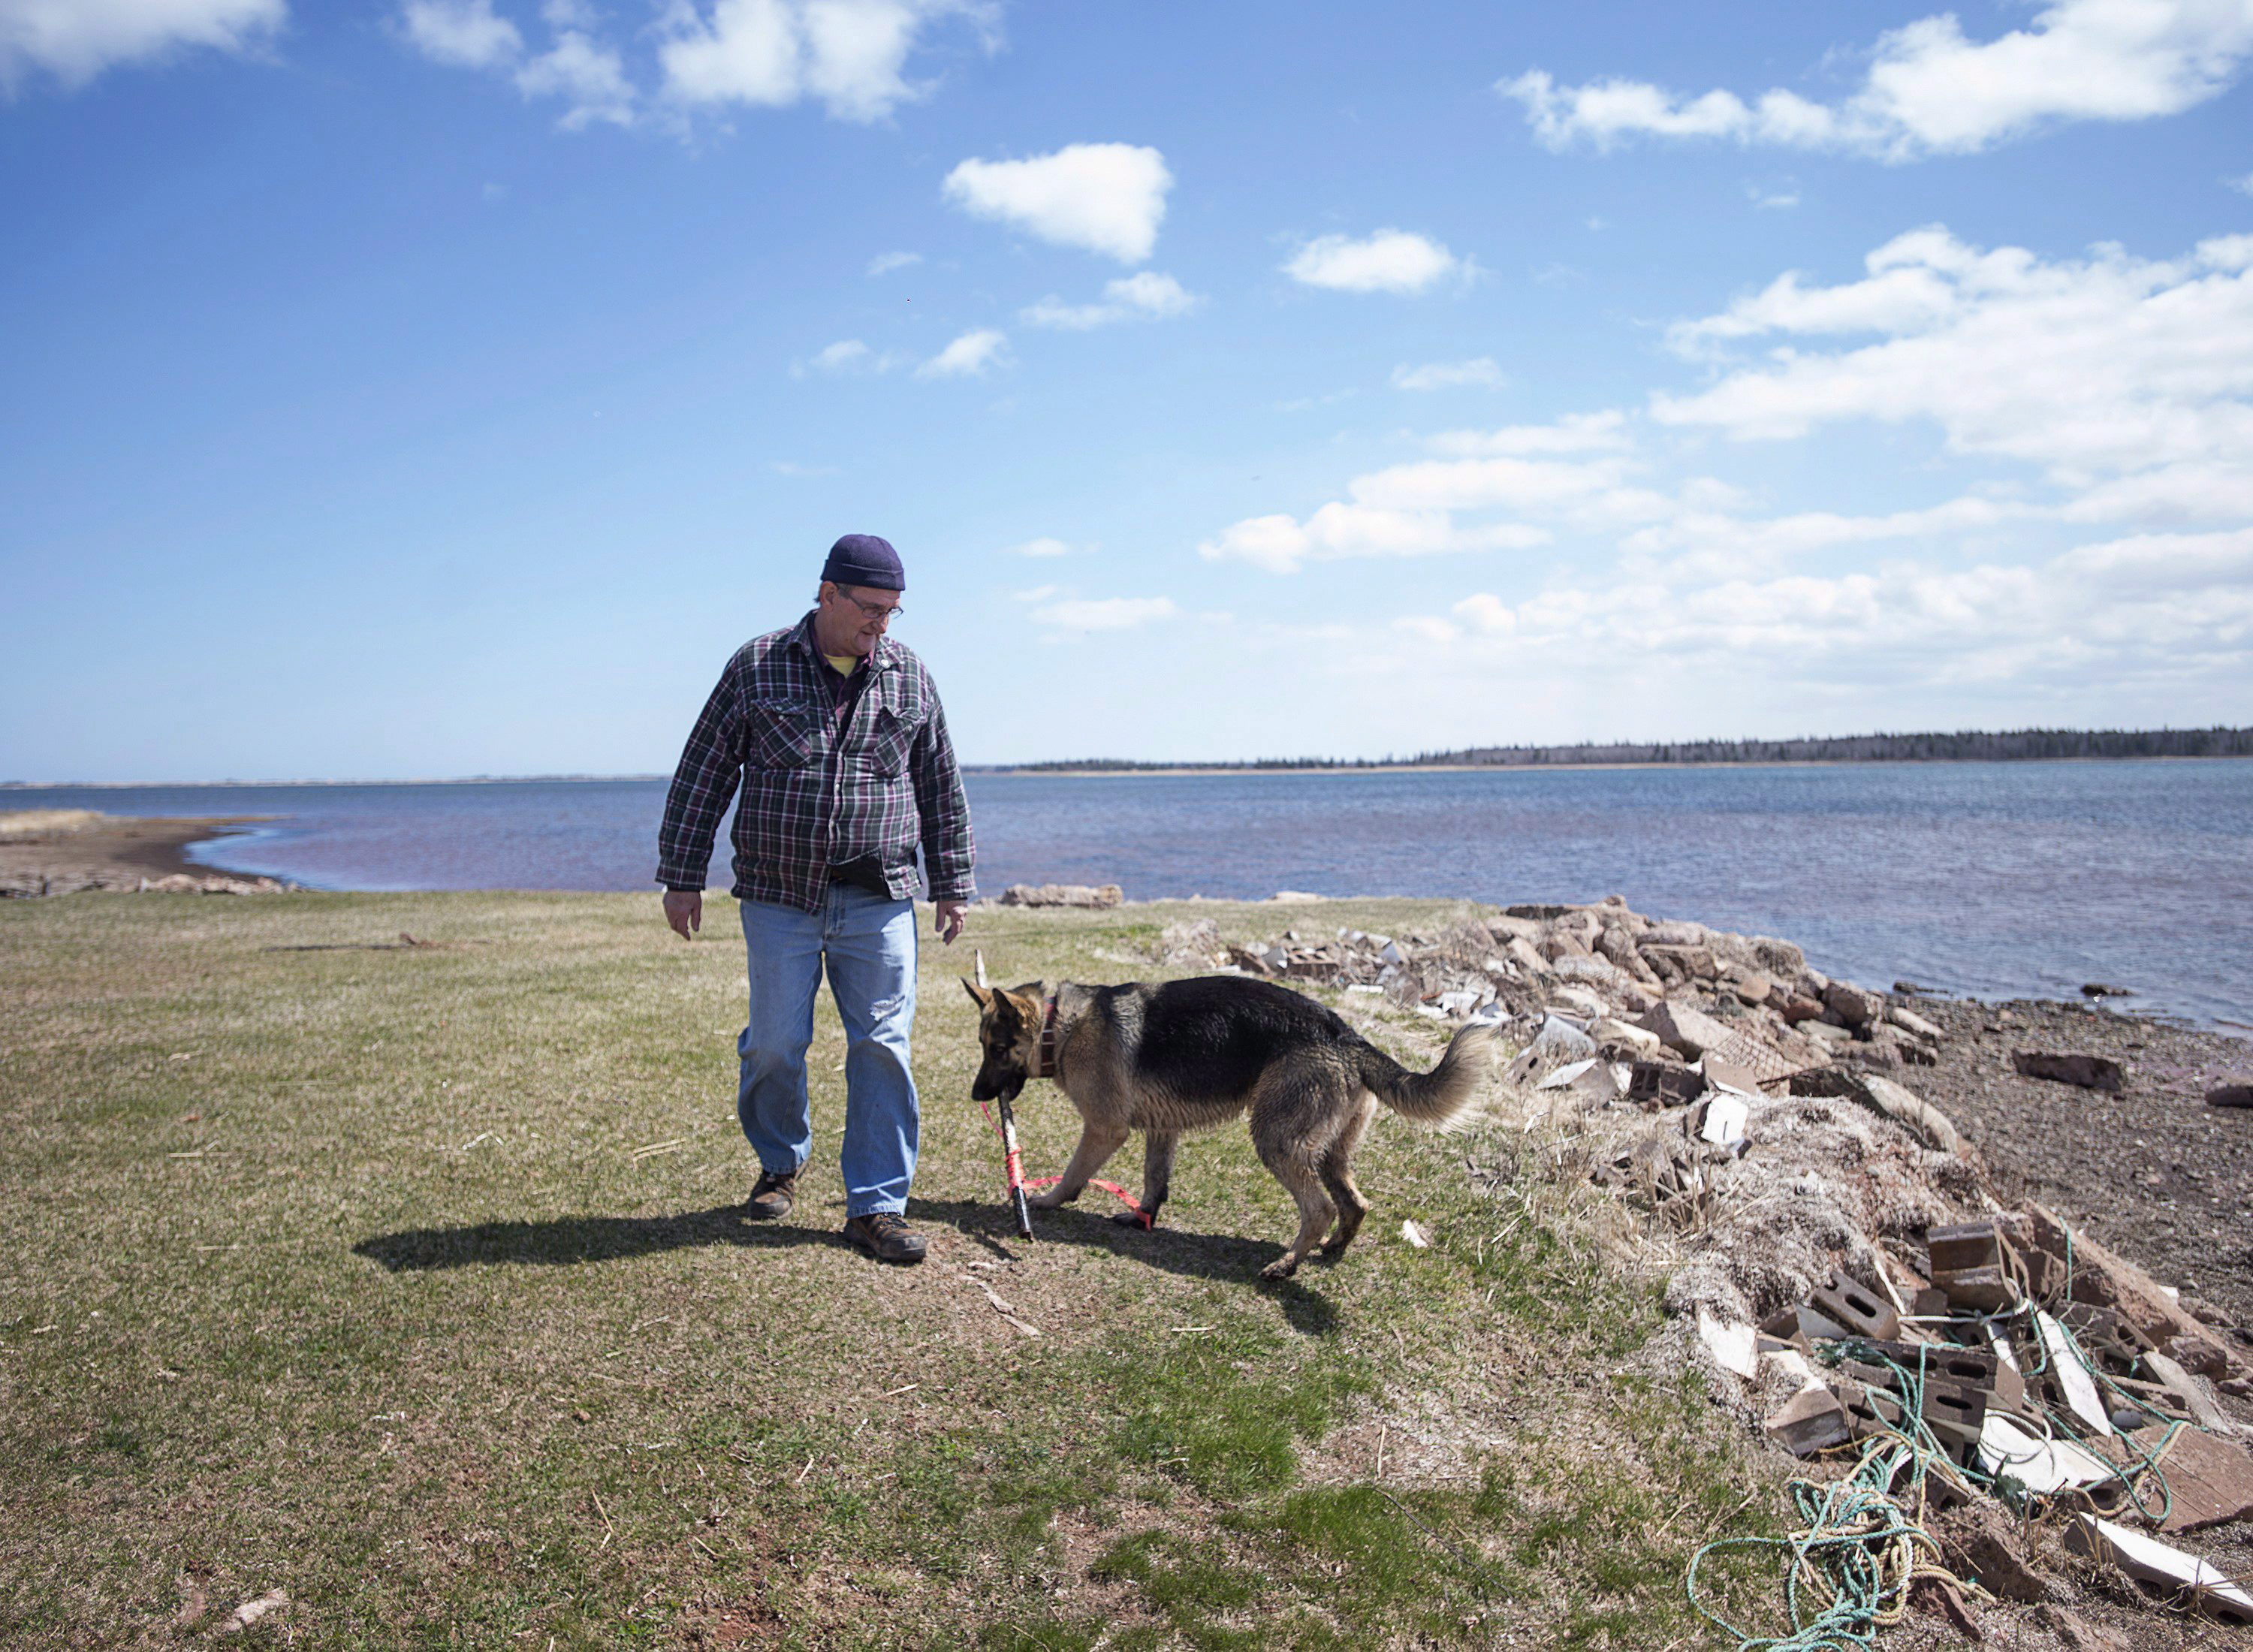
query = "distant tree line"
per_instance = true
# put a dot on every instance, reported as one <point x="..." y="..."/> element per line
<point x="1964" y="746"/>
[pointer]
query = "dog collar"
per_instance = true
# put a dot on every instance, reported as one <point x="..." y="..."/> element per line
<point x="1044" y="1052"/>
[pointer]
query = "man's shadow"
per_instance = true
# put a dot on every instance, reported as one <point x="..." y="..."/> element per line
<point x="565" y="1240"/>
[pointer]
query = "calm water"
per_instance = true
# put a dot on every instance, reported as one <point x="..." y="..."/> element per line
<point x="1995" y="879"/>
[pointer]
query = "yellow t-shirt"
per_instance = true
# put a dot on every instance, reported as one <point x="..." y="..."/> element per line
<point x="842" y="664"/>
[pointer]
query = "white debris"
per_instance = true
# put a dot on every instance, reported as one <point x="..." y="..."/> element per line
<point x="2155" y="1562"/>
<point x="2041" y="1466"/>
<point x="2079" y="1387"/>
<point x="1730" y="1343"/>
<point x="1726" y="1117"/>
<point x="1415" y="1236"/>
<point x="250" y="1611"/>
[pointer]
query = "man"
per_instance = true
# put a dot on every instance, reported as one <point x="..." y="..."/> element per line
<point x="833" y="733"/>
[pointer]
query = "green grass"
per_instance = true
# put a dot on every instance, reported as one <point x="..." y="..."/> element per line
<point x="408" y="1279"/>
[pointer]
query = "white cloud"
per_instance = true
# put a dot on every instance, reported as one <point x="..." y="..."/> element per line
<point x="1392" y="260"/>
<point x="2100" y="371"/>
<point x="467" y="34"/>
<point x="1043" y="546"/>
<point x="74" y="40"/>
<point x="847" y="356"/>
<point x="1487" y="614"/>
<point x="851" y="54"/>
<point x="2243" y="185"/>
<point x="1101" y="197"/>
<point x="970" y="355"/>
<point x="1283" y="544"/>
<point x="588" y="76"/>
<point x="1931" y="90"/>
<point x="2151" y="608"/>
<point x="1037" y="593"/>
<point x="1145" y="295"/>
<point x="884" y="263"/>
<point x="1105" y="613"/>
<point x="1448" y="375"/>
<point x="1574" y="433"/>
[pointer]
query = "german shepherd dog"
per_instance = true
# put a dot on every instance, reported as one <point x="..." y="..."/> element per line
<point x="1190" y="1054"/>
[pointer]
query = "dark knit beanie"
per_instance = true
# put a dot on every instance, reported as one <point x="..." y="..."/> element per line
<point x="862" y="559"/>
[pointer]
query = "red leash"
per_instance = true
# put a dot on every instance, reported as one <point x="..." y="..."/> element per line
<point x="1018" y="1185"/>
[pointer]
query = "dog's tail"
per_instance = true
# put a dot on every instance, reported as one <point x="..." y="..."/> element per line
<point x="1435" y="1097"/>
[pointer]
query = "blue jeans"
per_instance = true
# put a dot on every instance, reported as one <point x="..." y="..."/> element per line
<point x="869" y="944"/>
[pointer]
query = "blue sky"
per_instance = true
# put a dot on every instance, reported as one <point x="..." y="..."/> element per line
<point x="447" y="386"/>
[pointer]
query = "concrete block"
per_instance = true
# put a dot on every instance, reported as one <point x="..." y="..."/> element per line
<point x="1810" y="1421"/>
<point x="1860" y="1311"/>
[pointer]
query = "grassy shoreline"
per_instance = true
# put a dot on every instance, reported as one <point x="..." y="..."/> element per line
<point x="407" y="1278"/>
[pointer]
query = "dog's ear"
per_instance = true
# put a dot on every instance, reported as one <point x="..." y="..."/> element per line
<point x="1030" y="989"/>
<point x="980" y="996"/>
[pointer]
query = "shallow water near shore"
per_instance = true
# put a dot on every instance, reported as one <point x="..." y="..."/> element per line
<point x="1991" y="879"/>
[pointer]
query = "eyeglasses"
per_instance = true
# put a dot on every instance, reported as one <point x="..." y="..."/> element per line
<point x="874" y="611"/>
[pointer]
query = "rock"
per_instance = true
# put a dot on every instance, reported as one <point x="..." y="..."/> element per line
<point x="1781" y="959"/>
<point x="1683" y="1027"/>
<point x="1641" y="1040"/>
<point x="2089" y="1072"/>
<point x="1752" y="989"/>
<point x="2230" y="1096"/>
<point x="2210" y="1482"/>
<point x="1812" y="983"/>
<point x="1519" y="951"/>
<point x="1796" y="1009"/>
<point x="1978" y="1540"/>
<point x="1545" y="912"/>
<point x="2079" y="1635"/>
<point x="1106" y="895"/>
<point x="1920" y="1117"/>
<point x="2103" y="1279"/>
<point x="1912" y="989"/>
<point x="1689" y="962"/>
<point x="2098" y="989"/>
<point x="1836" y="1037"/>
<point x="1909" y="1022"/>
<point x="1854" y="1006"/>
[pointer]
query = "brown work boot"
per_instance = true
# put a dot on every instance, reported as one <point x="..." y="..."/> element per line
<point x="771" y="1197"/>
<point x="883" y="1235"/>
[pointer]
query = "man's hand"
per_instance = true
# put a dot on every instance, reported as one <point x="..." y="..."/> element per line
<point x="683" y="909"/>
<point x="947" y="919"/>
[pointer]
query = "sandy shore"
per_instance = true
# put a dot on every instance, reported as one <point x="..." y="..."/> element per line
<point x="69" y="851"/>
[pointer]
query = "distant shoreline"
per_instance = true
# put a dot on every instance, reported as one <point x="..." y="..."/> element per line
<point x="1011" y="770"/>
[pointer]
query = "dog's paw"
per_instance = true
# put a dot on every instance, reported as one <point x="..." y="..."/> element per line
<point x="1051" y="1200"/>
<point x="1281" y="1268"/>
<point x="1132" y="1219"/>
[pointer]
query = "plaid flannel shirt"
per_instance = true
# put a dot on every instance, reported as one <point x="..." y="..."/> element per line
<point x="815" y="795"/>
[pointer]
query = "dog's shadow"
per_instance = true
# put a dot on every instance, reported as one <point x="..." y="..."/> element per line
<point x="1204" y="1255"/>
<point x="565" y="1240"/>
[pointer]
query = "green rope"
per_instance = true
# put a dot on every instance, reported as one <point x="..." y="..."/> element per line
<point x="1850" y="1530"/>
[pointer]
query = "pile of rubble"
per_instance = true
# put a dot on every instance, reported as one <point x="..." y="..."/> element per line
<point x="1603" y="981"/>
<point x="1840" y="1268"/>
